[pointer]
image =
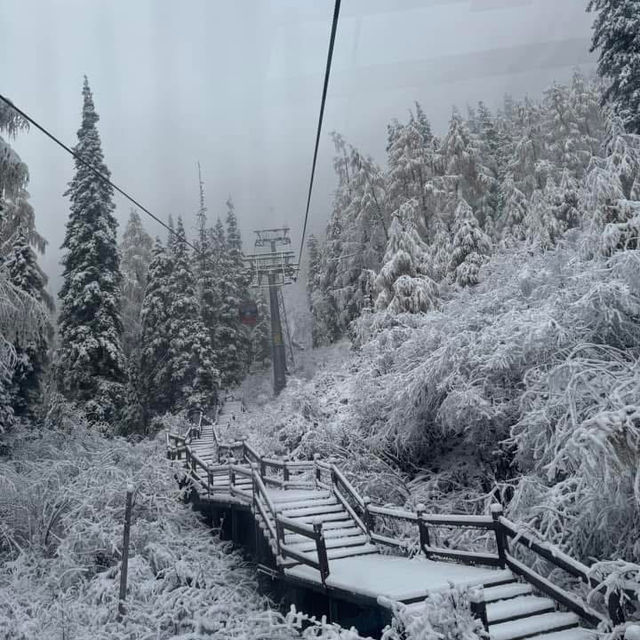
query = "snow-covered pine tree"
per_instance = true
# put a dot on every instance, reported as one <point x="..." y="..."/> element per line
<point x="404" y="284"/>
<point x="190" y="358"/>
<point x="364" y="233"/>
<point x="470" y="246"/>
<point x="515" y="206"/>
<point x="467" y="177"/>
<point x="239" y="290"/>
<point x="135" y="255"/>
<point x="611" y="191"/>
<point x="615" y="37"/>
<point x="90" y="363"/>
<point x="154" y="381"/>
<point x="411" y="160"/>
<point x="32" y="351"/>
<point x="324" y="328"/>
<point x="261" y="333"/>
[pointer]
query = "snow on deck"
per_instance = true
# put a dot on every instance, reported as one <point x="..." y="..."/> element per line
<point x="397" y="578"/>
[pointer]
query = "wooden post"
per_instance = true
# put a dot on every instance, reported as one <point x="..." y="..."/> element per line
<point x="279" y="532"/>
<point x="286" y="474"/>
<point x="423" y="530"/>
<point x="124" y="565"/>
<point x="209" y="480"/>
<point x="263" y="469"/>
<point x="501" y="537"/>
<point x="616" y="612"/>
<point x="321" y="548"/>
<point x="232" y="473"/>
<point x="367" y="515"/>
<point x="479" y="607"/>
<point x="316" y="457"/>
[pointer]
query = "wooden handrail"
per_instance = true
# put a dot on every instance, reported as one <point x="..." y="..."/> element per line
<point x="363" y="514"/>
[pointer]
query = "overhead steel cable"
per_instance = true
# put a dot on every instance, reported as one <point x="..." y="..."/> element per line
<point x="327" y="73"/>
<point x="96" y="172"/>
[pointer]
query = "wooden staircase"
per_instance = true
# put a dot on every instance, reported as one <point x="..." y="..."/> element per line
<point x="310" y="515"/>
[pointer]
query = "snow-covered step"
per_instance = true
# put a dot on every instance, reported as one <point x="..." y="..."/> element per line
<point x="504" y="576"/>
<point x="302" y="504"/>
<point x="504" y="591"/>
<point x="312" y="511"/>
<point x="338" y="516"/>
<point x="279" y="496"/>
<point x="577" y="633"/>
<point x="346" y="552"/>
<point x="345" y="532"/>
<point x="331" y="543"/>
<point x="519" y="607"/>
<point x="532" y="626"/>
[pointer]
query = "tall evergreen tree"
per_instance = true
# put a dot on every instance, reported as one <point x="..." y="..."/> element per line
<point x="404" y="283"/>
<point x="135" y="250"/>
<point x="190" y="361"/>
<point x="615" y="37"/>
<point x="154" y="386"/>
<point x="470" y="246"/>
<point x="32" y="351"/>
<point x="91" y="365"/>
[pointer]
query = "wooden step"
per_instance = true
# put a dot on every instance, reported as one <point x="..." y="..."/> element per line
<point x="332" y="543"/>
<point x="577" y="633"/>
<point x="329" y="534"/>
<point x="339" y="516"/>
<point x="312" y="511"/>
<point x="505" y="591"/>
<point x="301" y="504"/>
<point x="519" y="607"/>
<point x="533" y="626"/>
<point x="345" y="552"/>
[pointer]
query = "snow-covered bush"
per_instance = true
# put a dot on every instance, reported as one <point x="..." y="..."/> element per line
<point x="444" y="616"/>
<point x="62" y="499"/>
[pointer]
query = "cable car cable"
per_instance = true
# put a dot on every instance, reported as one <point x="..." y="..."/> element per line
<point x="334" y="27"/>
<point x="97" y="172"/>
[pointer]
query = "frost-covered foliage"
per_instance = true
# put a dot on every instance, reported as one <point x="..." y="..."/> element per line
<point x="614" y="37"/>
<point x="492" y="180"/>
<point x="61" y="514"/>
<point x="24" y="302"/>
<point x="444" y="615"/>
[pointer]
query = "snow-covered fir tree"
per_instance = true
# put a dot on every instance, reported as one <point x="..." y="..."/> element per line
<point x="615" y="37"/>
<point x="261" y="333"/>
<point x="90" y="363"/>
<point x="32" y="351"/>
<point x="194" y="379"/>
<point x="154" y="376"/>
<point x="135" y="256"/>
<point x="404" y="283"/>
<point x="469" y="248"/>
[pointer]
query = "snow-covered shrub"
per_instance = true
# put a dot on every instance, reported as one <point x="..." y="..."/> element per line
<point x="444" y="616"/>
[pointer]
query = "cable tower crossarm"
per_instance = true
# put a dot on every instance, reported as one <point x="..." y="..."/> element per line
<point x="93" y="169"/>
<point x="327" y="73"/>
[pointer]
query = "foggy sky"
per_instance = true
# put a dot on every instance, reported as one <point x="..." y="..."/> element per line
<point x="237" y="86"/>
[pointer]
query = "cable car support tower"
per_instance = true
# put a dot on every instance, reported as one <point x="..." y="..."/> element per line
<point x="274" y="269"/>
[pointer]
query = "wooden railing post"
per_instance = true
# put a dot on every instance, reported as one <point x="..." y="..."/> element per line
<point x="286" y="473"/>
<point x="244" y="449"/>
<point x="501" y="536"/>
<point x="423" y="530"/>
<point x="232" y="473"/>
<point x="321" y="548"/>
<point x="279" y="532"/>
<point x="209" y="480"/>
<point x="367" y="516"/>
<point x="263" y="468"/>
<point x="318" y="471"/>
<point x="479" y="607"/>
<point x="616" y="612"/>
